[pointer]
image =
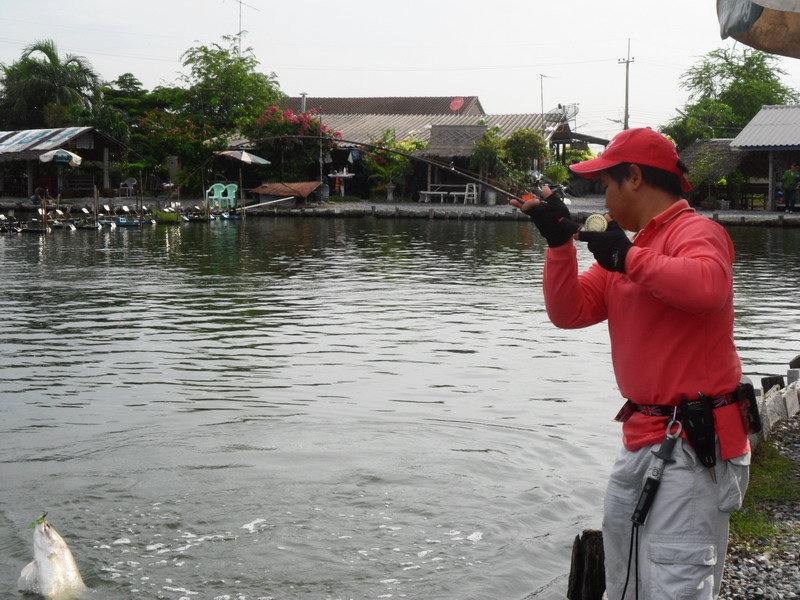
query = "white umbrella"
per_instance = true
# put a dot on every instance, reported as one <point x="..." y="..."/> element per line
<point x="244" y="156"/>
<point x="61" y="157"/>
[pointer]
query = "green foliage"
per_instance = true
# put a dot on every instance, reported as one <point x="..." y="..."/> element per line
<point x="165" y="217"/>
<point x="489" y="152"/>
<point x="290" y="156"/>
<point x="727" y="87"/>
<point x="773" y="479"/>
<point x="709" y="167"/>
<point x="508" y="159"/>
<point x="523" y="147"/>
<point x="556" y="173"/>
<point x="388" y="168"/>
<point x="704" y="119"/>
<point x="44" y="89"/>
<point x="225" y="90"/>
<point x="574" y="155"/>
<point x="170" y="133"/>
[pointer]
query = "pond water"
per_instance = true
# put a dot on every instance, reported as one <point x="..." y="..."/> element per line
<point x="317" y="408"/>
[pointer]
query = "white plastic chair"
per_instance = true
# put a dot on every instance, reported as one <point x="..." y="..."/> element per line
<point x="128" y="185"/>
<point x="471" y="194"/>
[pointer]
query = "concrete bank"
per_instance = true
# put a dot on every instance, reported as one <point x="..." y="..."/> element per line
<point x="580" y="207"/>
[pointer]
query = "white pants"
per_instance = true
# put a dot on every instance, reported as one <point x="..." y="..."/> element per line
<point x="683" y="543"/>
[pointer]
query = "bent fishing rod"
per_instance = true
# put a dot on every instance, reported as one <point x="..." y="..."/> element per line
<point x="434" y="163"/>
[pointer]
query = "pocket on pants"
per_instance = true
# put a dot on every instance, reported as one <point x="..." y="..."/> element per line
<point x="734" y="478"/>
<point x="683" y="568"/>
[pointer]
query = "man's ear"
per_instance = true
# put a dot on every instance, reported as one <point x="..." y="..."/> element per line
<point x="635" y="176"/>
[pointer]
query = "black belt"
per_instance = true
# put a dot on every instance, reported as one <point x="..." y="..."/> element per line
<point x="665" y="410"/>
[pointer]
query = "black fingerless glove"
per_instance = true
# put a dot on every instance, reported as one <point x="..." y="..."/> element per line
<point x="609" y="247"/>
<point x="552" y="219"/>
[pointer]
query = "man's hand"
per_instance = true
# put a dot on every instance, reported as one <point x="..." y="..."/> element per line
<point x="551" y="218"/>
<point x="609" y="247"/>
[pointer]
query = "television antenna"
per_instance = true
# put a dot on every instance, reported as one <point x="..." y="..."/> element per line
<point x="242" y="2"/>
<point x="561" y="114"/>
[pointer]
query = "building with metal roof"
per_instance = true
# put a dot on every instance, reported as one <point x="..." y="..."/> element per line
<point x="775" y="132"/>
<point x="365" y="127"/>
<point x="397" y="105"/>
<point x="26" y="146"/>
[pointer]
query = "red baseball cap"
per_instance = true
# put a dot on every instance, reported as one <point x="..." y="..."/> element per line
<point x="641" y="146"/>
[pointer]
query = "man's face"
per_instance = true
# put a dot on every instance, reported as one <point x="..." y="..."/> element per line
<point x="618" y="203"/>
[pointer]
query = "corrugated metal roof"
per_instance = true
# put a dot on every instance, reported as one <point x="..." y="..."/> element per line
<point x="775" y="126"/>
<point x="28" y="144"/>
<point x="38" y="139"/>
<point x="411" y="105"/>
<point x="363" y="128"/>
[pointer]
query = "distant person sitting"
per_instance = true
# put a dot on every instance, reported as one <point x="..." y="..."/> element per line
<point x="791" y="178"/>
<point x="41" y="194"/>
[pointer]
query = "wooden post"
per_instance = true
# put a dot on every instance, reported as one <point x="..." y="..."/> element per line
<point x="587" y="578"/>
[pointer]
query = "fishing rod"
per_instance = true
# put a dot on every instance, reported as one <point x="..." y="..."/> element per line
<point x="434" y="163"/>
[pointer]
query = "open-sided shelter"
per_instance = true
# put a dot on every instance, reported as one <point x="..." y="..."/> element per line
<point x="20" y="152"/>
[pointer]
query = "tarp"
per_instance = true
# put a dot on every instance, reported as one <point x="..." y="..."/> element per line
<point x="769" y="25"/>
<point x="301" y="189"/>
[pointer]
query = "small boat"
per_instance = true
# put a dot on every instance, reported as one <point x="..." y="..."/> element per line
<point x="34" y="226"/>
<point x="126" y="222"/>
<point x="9" y="225"/>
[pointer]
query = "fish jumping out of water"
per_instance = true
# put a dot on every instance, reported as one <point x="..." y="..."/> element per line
<point x="53" y="572"/>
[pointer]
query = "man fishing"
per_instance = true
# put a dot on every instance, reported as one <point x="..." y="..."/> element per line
<point x="667" y="295"/>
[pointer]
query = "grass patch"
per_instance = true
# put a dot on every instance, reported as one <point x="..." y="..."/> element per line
<point x="773" y="479"/>
<point x="165" y="217"/>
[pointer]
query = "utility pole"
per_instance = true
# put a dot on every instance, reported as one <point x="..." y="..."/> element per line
<point x="627" y="62"/>
<point x="541" y="95"/>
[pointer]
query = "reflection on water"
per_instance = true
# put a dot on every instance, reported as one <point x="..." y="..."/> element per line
<point x="309" y="408"/>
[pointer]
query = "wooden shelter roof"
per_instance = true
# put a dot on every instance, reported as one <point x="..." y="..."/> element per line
<point x="719" y="158"/>
<point x="453" y="140"/>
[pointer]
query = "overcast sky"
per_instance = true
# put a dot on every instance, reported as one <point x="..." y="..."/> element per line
<point x="517" y="56"/>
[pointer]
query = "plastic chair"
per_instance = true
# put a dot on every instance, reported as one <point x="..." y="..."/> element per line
<point x="215" y="195"/>
<point x="471" y="194"/>
<point x="128" y="186"/>
<point x="229" y="195"/>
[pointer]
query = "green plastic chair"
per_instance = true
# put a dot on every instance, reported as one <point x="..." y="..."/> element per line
<point x="229" y="195"/>
<point x="215" y="195"/>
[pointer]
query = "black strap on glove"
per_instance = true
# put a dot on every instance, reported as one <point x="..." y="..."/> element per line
<point x="610" y="247"/>
<point x="551" y="218"/>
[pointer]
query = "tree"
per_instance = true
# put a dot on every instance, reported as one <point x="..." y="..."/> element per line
<point x="43" y="89"/>
<point x="292" y="157"/>
<point x="727" y="87"/>
<point x="525" y="147"/>
<point x="225" y="90"/>
<point x="508" y="159"/>
<point x="389" y="168"/>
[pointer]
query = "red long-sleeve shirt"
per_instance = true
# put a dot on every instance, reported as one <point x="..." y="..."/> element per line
<point x="670" y="319"/>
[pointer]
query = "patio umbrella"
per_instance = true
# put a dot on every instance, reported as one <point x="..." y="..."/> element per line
<point x="61" y="157"/>
<point x="768" y="25"/>
<point x="243" y="157"/>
